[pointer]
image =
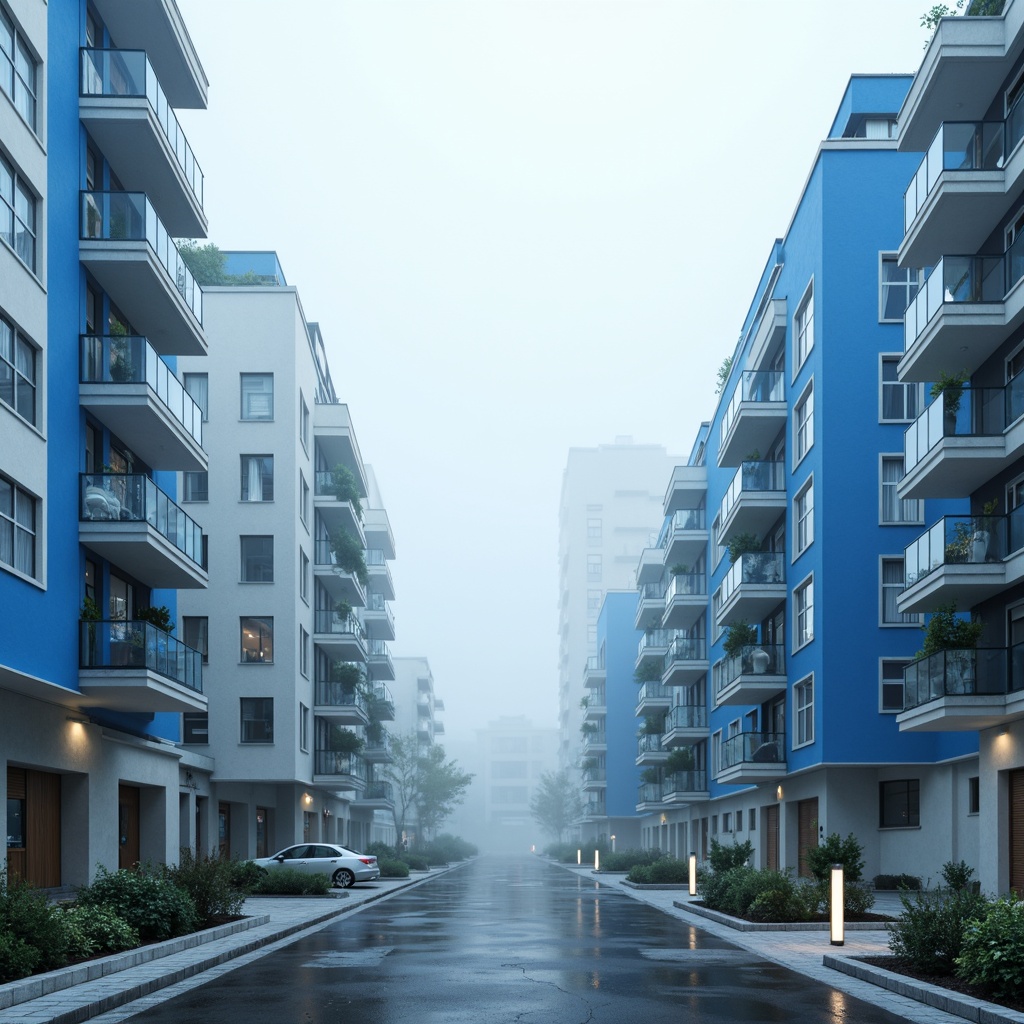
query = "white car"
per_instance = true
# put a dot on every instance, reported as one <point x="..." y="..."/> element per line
<point x="342" y="867"/>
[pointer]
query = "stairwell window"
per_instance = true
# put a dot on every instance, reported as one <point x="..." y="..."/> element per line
<point x="257" y="396"/>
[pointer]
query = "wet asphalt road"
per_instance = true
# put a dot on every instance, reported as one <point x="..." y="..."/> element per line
<point x="514" y="941"/>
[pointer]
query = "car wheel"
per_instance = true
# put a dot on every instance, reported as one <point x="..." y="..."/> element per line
<point x="343" y="878"/>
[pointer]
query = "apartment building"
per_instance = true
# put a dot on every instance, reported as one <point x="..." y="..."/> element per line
<point x="772" y="603"/>
<point x="295" y="625"/>
<point x="96" y="178"/>
<point x="963" y="212"/>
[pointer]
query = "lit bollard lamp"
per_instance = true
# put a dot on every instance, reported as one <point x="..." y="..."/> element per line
<point x="693" y="874"/>
<point x="579" y="857"/>
<point x="837" y="927"/>
<point x="597" y="860"/>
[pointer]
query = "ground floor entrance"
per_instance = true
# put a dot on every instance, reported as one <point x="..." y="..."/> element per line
<point x="33" y="826"/>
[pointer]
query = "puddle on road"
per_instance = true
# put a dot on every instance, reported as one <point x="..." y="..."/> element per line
<point x="703" y="957"/>
<point x="362" y="958"/>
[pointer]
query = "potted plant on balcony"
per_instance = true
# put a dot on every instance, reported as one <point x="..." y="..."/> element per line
<point x="648" y="672"/>
<point x="654" y="725"/>
<point x="951" y="387"/>
<point x="982" y="536"/>
<point x="679" y="760"/>
<point x="650" y="776"/>
<point x="955" y="638"/>
<point x="348" y="555"/>
<point x="679" y="569"/>
<point x="91" y="614"/>
<point x="344" y="487"/>
<point x="753" y="470"/>
<point x="744" y="544"/>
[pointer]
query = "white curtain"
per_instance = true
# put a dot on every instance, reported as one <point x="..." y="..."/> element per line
<point x="255" y="479"/>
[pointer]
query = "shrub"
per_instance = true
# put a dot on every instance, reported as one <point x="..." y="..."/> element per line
<point x="17" y="958"/>
<point x="956" y="874"/>
<point x="930" y="932"/>
<point x="453" y="847"/>
<point x="775" y="905"/>
<point x="993" y="949"/>
<point x="244" y="875"/>
<point x="382" y="851"/>
<point x="745" y="885"/>
<point x="858" y="897"/>
<point x="664" y="871"/>
<point x="208" y="882"/>
<point x="31" y="937"/>
<point x="289" y="882"/>
<point x="624" y="860"/>
<point x="835" y="850"/>
<point x="897" y="882"/>
<point x="95" y="930"/>
<point x="415" y="862"/>
<point x="393" y="868"/>
<point x="149" y="902"/>
<point x="724" y="858"/>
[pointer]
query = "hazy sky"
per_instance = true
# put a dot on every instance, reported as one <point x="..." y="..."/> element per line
<point x="522" y="226"/>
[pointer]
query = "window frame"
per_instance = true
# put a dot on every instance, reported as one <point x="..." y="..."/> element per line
<point x="245" y="463"/>
<point x="889" y="259"/>
<point x="19" y="190"/>
<point x="803" y="518"/>
<point x="907" y="620"/>
<point x="803" y="424"/>
<point x="912" y="796"/>
<point x="11" y="522"/>
<point x="803" y="328"/>
<point x="888" y="458"/>
<point x="801" y="638"/>
<point x="20" y="342"/>
<point x="20" y="48"/>
<point x="247" y="398"/>
<point x="265" y="703"/>
<point x="803" y="712"/>
<point x="194" y="723"/>
<point x="261" y="647"/>
<point x="201" y="625"/>
<point x="189" y="379"/>
<point x="883" y="682"/>
<point x="190" y="486"/>
<point x="915" y="388"/>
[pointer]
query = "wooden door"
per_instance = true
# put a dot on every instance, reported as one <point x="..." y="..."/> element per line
<point x="33" y="817"/>
<point x="129" y="801"/>
<point x="1017" y="830"/>
<point x="807" y="832"/>
<point x="770" y="824"/>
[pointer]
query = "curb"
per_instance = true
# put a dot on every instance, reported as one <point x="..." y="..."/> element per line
<point x="789" y="926"/>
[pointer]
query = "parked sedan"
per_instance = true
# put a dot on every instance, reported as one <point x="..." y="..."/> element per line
<point x="342" y="866"/>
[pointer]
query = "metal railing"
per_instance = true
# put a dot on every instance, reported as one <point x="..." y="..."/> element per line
<point x="332" y="762"/>
<point x="684" y="782"/>
<point x="687" y="716"/>
<point x="964" y="672"/>
<point x="327" y="621"/>
<point x="753" y="748"/>
<point x="958" y="540"/>
<point x="332" y="694"/>
<point x="756" y="659"/>
<point x="121" y="645"/>
<point x="754" y="567"/>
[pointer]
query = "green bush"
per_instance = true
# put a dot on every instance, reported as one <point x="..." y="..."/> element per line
<point x="415" y="862"/>
<point x="208" y="882"/>
<point x="624" y="860"/>
<point x="775" y="905"/>
<point x="663" y="871"/>
<point x="745" y="885"/>
<point x="930" y="932"/>
<point x="31" y="937"/>
<point x="382" y="851"/>
<point x="90" y="931"/>
<point x="992" y="954"/>
<point x="244" y="875"/>
<point x="17" y="958"/>
<point x="956" y="874"/>
<point x="149" y="902"/>
<point x="289" y="882"/>
<point x="392" y="868"/>
<point x="897" y="882"/>
<point x="725" y="858"/>
<point x="835" y="850"/>
<point x="453" y="847"/>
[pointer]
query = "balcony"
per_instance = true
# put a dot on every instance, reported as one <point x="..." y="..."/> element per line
<point x="771" y="330"/>
<point x="652" y="648"/>
<point x="156" y="26"/>
<point x="649" y="749"/>
<point x="963" y="690"/>
<point x="594" y="741"/>
<point x="753" y="587"/>
<point x="756" y="674"/>
<point x="379" y="796"/>
<point x="380" y="574"/>
<point x="343" y="705"/>
<point x="754" y="500"/>
<point x="966" y="308"/>
<point x="335" y="440"/>
<point x="595" y="709"/>
<point x="686" y="661"/>
<point x="594" y="674"/>
<point x="650" y="605"/>
<point x="752" y="757"/>
<point x="132" y="665"/>
<point x="684" y="725"/>
<point x="686" y="538"/>
<point x="340" y="636"/>
<point x="127" y="249"/>
<point x="685" y="788"/>
<point x="341" y="585"/>
<point x="963" y="560"/>
<point x="383" y="704"/>
<point x="131" y="390"/>
<point x="378" y="660"/>
<point x="126" y="519"/>
<point x="687" y="488"/>
<point x="340" y="770"/>
<point x="952" y="454"/>
<point x="595" y="780"/>
<point x="378" y="619"/>
<point x="333" y="512"/>
<point x="648" y="797"/>
<point x="686" y="600"/>
<point x="124" y="109"/>
<point x="594" y="809"/>
<point x="651" y="566"/>
<point x="377" y="528"/>
<point x="754" y="417"/>
<point x="968" y="179"/>
<point x="653" y="698"/>
<point x="378" y="751"/>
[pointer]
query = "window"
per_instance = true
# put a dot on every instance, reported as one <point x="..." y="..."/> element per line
<point x="899" y="803"/>
<point x="593" y="602"/>
<point x="257" y="640"/>
<point x="195" y="630"/>
<point x="17" y="215"/>
<point x="739" y="821"/>
<point x="803" y="508"/>
<point x="303" y="727"/>
<point x="17" y="528"/>
<point x="803" y="605"/>
<point x="973" y="795"/>
<point x="891" y="697"/>
<point x="257" y="478"/>
<point x="895" y="510"/>
<point x="594" y="567"/>
<point x="716" y="753"/>
<point x="303" y="500"/>
<point x="198" y="387"/>
<point x="804" y="423"/>
<point x="803" y="712"/>
<point x="897" y="288"/>
<point x="303" y="422"/>
<point x="17" y="372"/>
<point x="257" y="719"/>
<point x="803" y="329"/>
<point x="196" y="486"/>
<point x="303" y="575"/>
<point x="591" y="635"/>
<point x="257" y="396"/>
<point x="17" y="70"/>
<point x="892" y="587"/>
<point x="195" y="727"/>
<point x="257" y="559"/>
<point x="727" y="822"/>
<point x="593" y="531"/>
<point x="752" y="818"/>
<point x="901" y="403"/>
<point x="303" y="652"/>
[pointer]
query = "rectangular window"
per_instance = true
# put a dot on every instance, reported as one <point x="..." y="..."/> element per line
<point x="899" y="803"/>
<point x="894" y="510"/>
<point x="594" y="602"/>
<point x="257" y="719"/>
<point x="303" y="575"/>
<point x="17" y="215"/>
<point x="17" y="371"/>
<point x="198" y="387"/>
<point x="257" y="640"/>
<point x="17" y="528"/>
<point x="803" y="329"/>
<point x="195" y="633"/>
<point x="257" y="559"/>
<point x="594" y="567"/>
<point x="804" y="423"/>
<point x="891" y="697"/>
<point x="897" y="288"/>
<point x="716" y="753"/>
<point x="303" y="728"/>
<point x="591" y="635"/>
<point x="752" y="817"/>
<point x="803" y="508"/>
<point x="973" y="795"/>
<point x="303" y="500"/>
<point x="257" y="396"/>
<point x="195" y="727"/>
<point x="196" y="486"/>
<point x="18" y="70"/>
<point x="593" y="531"/>
<point x="892" y="587"/>
<point x="303" y="652"/>
<point x="901" y="403"/>
<point x="803" y="604"/>
<point x="803" y="710"/>
<point x="257" y="478"/>
<point x="303" y="422"/>
<point x="727" y="822"/>
<point x="739" y="821"/>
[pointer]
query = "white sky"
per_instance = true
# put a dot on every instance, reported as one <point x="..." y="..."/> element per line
<point x="522" y="226"/>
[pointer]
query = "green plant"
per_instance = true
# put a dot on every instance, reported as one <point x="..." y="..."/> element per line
<point x="835" y="850"/>
<point x="344" y="741"/>
<point x="930" y="932"/>
<point x="626" y="860"/>
<point x="741" y="544"/>
<point x="416" y="862"/>
<point x="584" y="703"/>
<point x="679" y="569"/>
<point x="897" y="882"/>
<point x="723" y="374"/>
<point x="345" y="488"/>
<point x="951" y="387"/>
<point x="992" y="954"/>
<point x="737" y="636"/>
<point x="149" y="902"/>
<point x="90" y="931"/>
<point x="725" y="858"/>
<point x="208" y="881"/>
<point x="664" y="871"/>
<point x="31" y="937"/>
<point x="946" y="631"/>
<point x="289" y="882"/>
<point x="348" y="554"/>
<point x="393" y="868"/>
<point x="654" y="725"/>
<point x="650" y="776"/>
<point x="342" y="609"/>
<point x="159" y="617"/>
<point x="956" y="874"/>
<point x="90" y="611"/>
<point x="244" y="875"/>
<point x="347" y="674"/>
<point x="648" y="672"/>
<point x="679" y="760"/>
<point x="588" y="728"/>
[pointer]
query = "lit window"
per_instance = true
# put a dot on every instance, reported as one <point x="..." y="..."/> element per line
<point x="257" y="640"/>
<point x="897" y="289"/>
<point x="895" y="510"/>
<point x="17" y="372"/>
<point x="17" y="70"/>
<point x="899" y="803"/>
<point x="804" y="423"/>
<point x="17" y="528"/>
<point x="257" y="719"/>
<point x="257" y="559"/>
<point x="257" y="478"/>
<point x="901" y="403"/>
<point x="803" y="601"/>
<point x="257" y="396"/>
<point x="803" y="704"/>
<point x="804" y="516"/>
<point x="803" y="330"/>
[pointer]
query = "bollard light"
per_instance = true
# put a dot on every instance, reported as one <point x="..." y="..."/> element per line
<point x="693" y="874"/>
<point x="579" y="857"/>
<point x="597" y="860"/>
<point x="613" y="844"/>
<point x="838" y="924"/>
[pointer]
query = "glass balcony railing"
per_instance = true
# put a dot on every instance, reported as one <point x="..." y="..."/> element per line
<point x="654" y="638"/>
<point x="648" y="793"/>
<point x="649" y="743"/>
<point x="327" y="621"/>
<point x="378" y="791"/>
<point x="754" y="476"/>
<point x="595" y="739"/>
<point x="378" y="649"/>
<point x="686" y="648"/>
<point x="653" y="691"/>
<point x="382" y="695"/>
<point x="962" y="146"/>
<point x="130" y="359"/>
<point x="964" y="673"/>
<point x="325" y="557"/>
<point x="687" y="584"/>
<point x="597" y="697"/>
<point x="754" y="567"/>
<point x="685" y="520"/>
<point x="757" y="659"/>
<point x="128" y="73"/>
<point x="684" y="782"/>
<point x="754" y="386"/>
<point x="687" y="716"/>
<point x="130" y="217"/>
<point x="594" y="809"/>
<point x="652" y="591"/>
<point x="379" y="747"/>
<point x="753" y="748"/>
<point x="333" y="762"/>
<point x="337" y="695"/>
<point x="126" y="644"/>
<point x="134" y="498"/>
<point x="595" y="774"/>
<point x="374" y="556"/>
<point x="957" y="540"/>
